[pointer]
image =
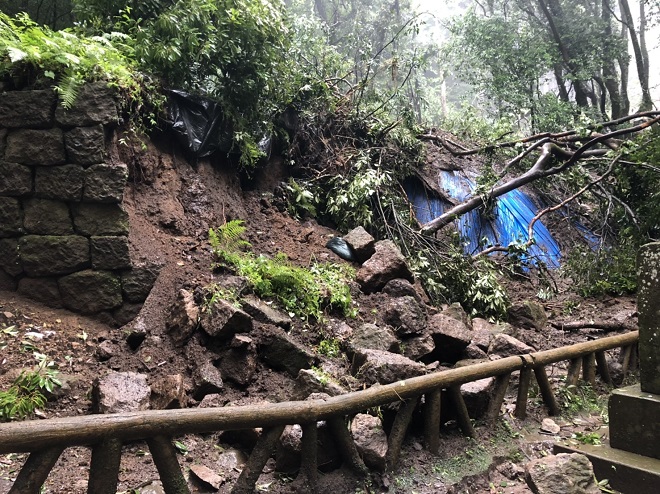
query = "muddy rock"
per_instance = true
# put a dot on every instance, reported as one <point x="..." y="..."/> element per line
<point x="263" y="312"/>
<point x="418" y="347"/>
<point x="239" y="364"/>
<point x="121" y="392"/>
<point x="224" y="320"/>
<point x="310" y="381"/>
<point x="505" y="346"/>
<point x="136" y="284"/>
<point x="377" y="366"/>
<point x="451" y="336"/>
<point x="184" y="318"/>
<point x="561" y="474"/>
<point x="370" y="336"/>
<point x="370" y="440"/>
<point x="168" y="392"/>
<point x="529" y="314"/>
<point x="406" y="316"/>
<point x="287" y="454"/>
<point x="472" y="351"/>
<point x="206" y="476"/>
<point x="106" y="350"/>
<point x="401" y="288"/>
<point x="282" y="352"/>
<point x="361" y="242"/>
<point x="456" y="311"/>
<point x="207" y="380"/>
<point x="386" y="264"/>
<point x="477" y="395"/>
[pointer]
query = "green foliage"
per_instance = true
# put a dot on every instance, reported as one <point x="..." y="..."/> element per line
<point x="610" y="271"/>
<point x="581" y="398"/>
<point x="329" y="348"/>
<point x="26" y="393"/>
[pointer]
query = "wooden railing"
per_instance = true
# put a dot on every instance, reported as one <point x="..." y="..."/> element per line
<point x="105" y="434"/>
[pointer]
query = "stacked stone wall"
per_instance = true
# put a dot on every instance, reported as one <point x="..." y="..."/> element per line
<point x="63" y="231"/>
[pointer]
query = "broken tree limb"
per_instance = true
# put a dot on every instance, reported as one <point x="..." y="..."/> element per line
<point x="602" y="325"/>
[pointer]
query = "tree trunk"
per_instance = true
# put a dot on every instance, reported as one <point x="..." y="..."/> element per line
<point x="642" y="68"/>
<point x="610" y="76"/>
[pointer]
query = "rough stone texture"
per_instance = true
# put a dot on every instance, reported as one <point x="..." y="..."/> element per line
<point x="369" y="336"/>
<point x="476" y="395"/>
<point x="456" y="311"/>
<point x="370" y="439"/>
<point x="105" y="183"/>
<point x="283" y="353"/>
<point x="11" y="217"/>
<point x="46" y="255"/>
<point x="287" y="454"/>
<point x="263" y="312"/>
<point x="90" y="291"/>
<point x="44" y="290"/>
<point x="126" y="313"/>
<point x="9" y="260"/>
<point x="406" y="316"/>
<point x="7" y="282"/>
<point x="100" y="219"/>
<point x="47" y="217"/>
<point x="529" y="314"/>
<point x="224" y="320"/>
<point x="168" y="392"/>
<point x="15" y="179"/>
<point x="137" y="283"/>
<point x="361" y="242"/>
<point x="207" y="476"/>
<point x="386" y="264"/>
<point x="561" y="474"/>
<point x="3" y="140"/>
<point x="63" y="182"/>
<point x="110" y="253"/>
<point x="239" y="364"/>
<point x="505" y="346"/>
<point x="418" y="347"/>
<point x="207" y="380"/>
<point x="27" y="108"/>
<point x="401" y="288"/>
<point x="310" y="381"/>
<point x="85" y="145"/>
<point x="377" y="366"/>
<point x="95" y="104"/>
<point x="184" y="318"/>
<point x="35" y="147"/>
<point x="648" y="303"/>
<point x="121" y="392"/>
<point x="450" y="336"/>
<point x="634" y="424"/>
<point x="472" y="351"/>
<point x="106" y="350"/>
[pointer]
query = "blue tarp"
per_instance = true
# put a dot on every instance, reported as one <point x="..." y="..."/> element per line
<point x="513" y="213"/>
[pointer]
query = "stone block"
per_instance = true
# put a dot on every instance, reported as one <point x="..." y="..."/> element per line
<point x="385" y="265"/>
<point x="100" y="219"/>
<point x="27" y="108"/>
<point x="63" y="182"/>
<point x="282" y="352"/>
<point x="11" y="217"/>
<point x="85" y="145"/>
<point x="44" y="290"/>
<point x="7" y="282"/>
<point x="125" y="314"/>
<point x="224" y="320"/>
<point x="136" y="284"/>
<point x="362" y="243"/>
<point x="121" y="392"/>
<point x="183" y="318"/>
<point x="15" y="179"/>
<point x="110" y="253"/>
<point x="9" y="259"/>
<point x="47" y="217"/>
<point x="95" y="104"/>
<point x="377" y="366"/>
<point x="105" y="183"/>
<point x="634" y="424"/>
<point x="648" y="305"/>
<point x="36" y="147"/>
<point x="48" y="255"/>
<point x="3" y="141"/>
<point x="90" y="291"/>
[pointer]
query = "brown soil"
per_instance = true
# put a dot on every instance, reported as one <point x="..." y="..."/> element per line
<point x="171" y="205"/>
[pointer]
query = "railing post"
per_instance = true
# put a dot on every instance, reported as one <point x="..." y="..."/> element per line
<point x="497" y="398"/>
<point x="523" y="392"/>
<point x="546" y="390"/>
<point x="589" y="369"/>
<point x="573" y="372"/>
<point x="309" y="475"/>
<point x="432" y="410"/>
<point x="164" y="455"/>
<point x="603" y="369"/>
<point x="462" y="415"/>
<point x="255" y="464"/>
<point x="398" y="432"/>
<point x="35" y="471"/>
<point x="104" y="468"/>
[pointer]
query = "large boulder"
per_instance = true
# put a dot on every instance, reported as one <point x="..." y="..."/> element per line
<point x="120" y="392"/>
<point x="451" y="336"/>
<point x="387" y="263"/>
<point x="223" y="320"/>
<point x="406" y="315"/>
<point x="282" y="352"/>
<point x="370" y="439"/>
<point x="401" y="288"/>
<point x="505" y="346"/>
<point x="477" y="396"/>
<point x="377" y="366"/>
<point x="44" y="290"/>
<point x="529" y="314"/>
<point x="370" y="336"/>
<point x="561" y="474"/>
<point x="361" y="242"/>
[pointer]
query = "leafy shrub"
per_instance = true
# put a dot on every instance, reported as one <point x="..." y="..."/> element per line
<point x="610" y="271"/>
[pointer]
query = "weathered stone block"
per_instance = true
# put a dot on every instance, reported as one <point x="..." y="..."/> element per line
<point x="9" y="260"/>
<point x="44" y="290"/>
<point x="386" y="264"/>
<point x="376" y="366"/>
<point x="15" y="179"/>
<point x="35" y="147"/>
<point x="369" y="336"/>
<point x="648" y="304"/>
<point x="105" y="183"/>
<point x="90" y="291"/>
<point x="361" y="242"/>
<point x="3" y="141"/>
<point x="370" y="439"/>
<point x="27" y="108"/>
<point x="406" y="316"/>
<point x="60" y="182"/>
<point x="11" y="217"/>
<point x="125" y="314"/>
<point x="95" y="105"/>
<point x="137" y="283"/>
<point x="110" y="253"/>
<point x="183" y="318"/>
<point x="207" y="380"/>
<point x="47" y="217"/>
<point x="634" y="424"/>
<point x="100" y="219"/>
<point x="561" y="474"/>
<point x="224" y="320"/>
<point x="46" y="255"/>
<point x="121" y="392"/>
<point x="282" y="352"/>
<point x="85" y="145"/>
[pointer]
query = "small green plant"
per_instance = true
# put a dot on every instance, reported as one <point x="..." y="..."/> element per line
<point x="329" y="348"/>
<point x="592" y="438"/>
<point x="27" y="392"/>
<point x="581" y="398"/>
<point x="607" y="271"/>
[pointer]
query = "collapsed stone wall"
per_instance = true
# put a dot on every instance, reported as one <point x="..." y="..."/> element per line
<point x="63" y="231"/>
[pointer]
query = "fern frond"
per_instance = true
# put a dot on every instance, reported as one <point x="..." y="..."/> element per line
<point x="68" y="89"/>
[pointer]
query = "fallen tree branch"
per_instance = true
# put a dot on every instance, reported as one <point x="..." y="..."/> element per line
<point x="601" y="325"/>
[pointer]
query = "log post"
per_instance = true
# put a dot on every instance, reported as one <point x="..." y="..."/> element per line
<point x="104" y="469"/>
<point x="35" y="471"/>
<point x="625" y="359"/>
<point x="308" y="477"/>
<point x="634" y="357"/>
<point x="432" y="412"/>
<point x="573" y="372"/>
<point x="497" y="398"/>
<point x="398" y="432"/>
<point x="462" y="415"/>
<point x="546" y="390"/>
<point x="346" y="446"/>
<point x="255" y="464"/>
<point x="589" y="369"/>
<point x="164" y="455"/>
<point x="603" y="369"/>
<point x="523" y="392"/>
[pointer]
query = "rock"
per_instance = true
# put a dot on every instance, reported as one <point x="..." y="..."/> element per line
<point x="387" y="263"/>
<point x="110" y="253"/>
<point x="370" y="440"/>
<point x="9" y="258"/>
<point x="15" y="179"/>
<point x="377" y="366"/>
<point x="64" y="182"/>
<point x="339" y="330"/>
<point x="287" y="454"/>
<point x="85" y="145"/>
<point x="27" y="108"/>
<point x="561" y="474"/>
<point x="44" y="290"/>
<point x="95" y="104"/>
<point x="283" y="353"/>
<point x="418" y="347"/>
<point x="137" y="283"/>
<point x="406" y="316"/>
<point x="231" y="461"/>
<point x="207" y="380"/>
<point x="450" y="336"/>
<point x="213" y="400"/>
<point x="550" y="426"/>
<point x="100" y="219"/>
<point x="11" y="217"/>
<point x="528" y="314"/>
<point x="456" y="311"/>
<point x="36" y="147"/>
<point x="401" y="288"/>
<point x="472" y="351"/>
<point x="223" y="320"/>
<point x="370" y="336"/>
<point x="311" y="381"/>
<point x="45" y="255"/>
<point x="184" y="318"/>
<point x="136" y="335"/>
<point x="263" y="312"/>
<point x="7" y="282"/>
<point x="361" y="242"/>
<point x="155" y="487"/>
<point x="239" y="364"/>
<point x="120" y="392"/>
<point x="125" y="314"/>
<point x="47" y="217"/>
<point x="106" y="350"/>
<point x="105" y="183"/>
<point x="207" y="476"/>
<point x="505" y="346"/>
<point x="168" y="392"/>
<point x="90" y="291"/>
<point x="476" y="395"/>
